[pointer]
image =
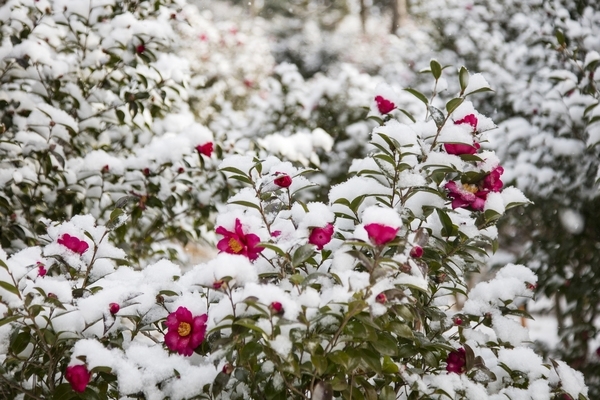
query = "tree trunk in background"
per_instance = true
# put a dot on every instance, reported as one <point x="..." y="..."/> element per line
<point x="399" y="14"/>
<point x="363" y="15"/>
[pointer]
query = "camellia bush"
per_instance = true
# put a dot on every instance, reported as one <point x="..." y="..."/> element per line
<point x="543" y="58"/>
<point x="106" y="175"/>
<point x="356" y="297"/>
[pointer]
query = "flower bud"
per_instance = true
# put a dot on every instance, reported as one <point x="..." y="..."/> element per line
<point x="381" y="298"/>
<point x="416" y="252"/>
<point x="114" y="308"/>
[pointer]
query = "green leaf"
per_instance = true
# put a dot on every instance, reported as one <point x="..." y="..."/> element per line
<point x="418" y="95"/>
<point x="409" y="115"/>
<point x="9" y="288"/>
<point x="389" y="366"/>
<point x="371" y="358"/>
<point x="437" y="115"/>
<point x="470" y="158"/>
<point x="19" y="342"/>
<point x="6" y="320"/>
<point x="436" y="69"/>
<point x="296" y="279"/>
<point x="63" y="392"/>
<point x="560" y="37"/>
<point x="320" y="363"/>
<point x="241" y="178"/>
<point x="453" y="104"/>
<point x="387" y="393"/>
<point x="385" y="344"/>
<point x="245" y="204"/>
<point x="463" y="77"/>
<point x="250" y="324"/>
<point x="302" y="254"/>
<point x="250" y="350"/>
<point x="122" y="202"/>
<point x="481" y="90"/>
<point x="356" y="307"/>
<point x="271" y="246"/>
<point x="402" y="330"/>
<point x="491" y="215"/>
<point x="168" y="293"/>
<point x="234" y="170"/>
<point x="446" y="221"/>
<point x="3" y="265"/>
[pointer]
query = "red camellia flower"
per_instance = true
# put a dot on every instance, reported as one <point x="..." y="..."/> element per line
<point x="461" y="148"/>
<point x="456" y="361"/>
<point x="74" y="244"/>
<point x="185" y="332"/>
<point x="78" y="376"/>
<point x="466" y="196"/>
<point x="283" y="180"/>
<point x="381" y="234"/>
<point x="381" y="298"/>
<point x="206" y="149"/>
<point x="321" y="236"/>
<point x="416" y="252"/>
<point x="384" y="105"/>
<point x="238" y="242"/>
<point x="114" y="308"/>
<point x="492" y="181"/>
<point x="140" y="48"/>
<point x="41" y="269"/>
<point x="470" y="119"/>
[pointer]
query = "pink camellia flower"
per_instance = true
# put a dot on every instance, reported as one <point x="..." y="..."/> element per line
<point x="114" y="308"/>
<point x="276" y="307"/>
<point x="461" y="148"/>
<point x="416" y="252"/>
<point x="381" y="234"/>
<point x="321" y="236"/>
<point x="41" y="269"/>
<point x="466" y="196"/>
<point x="384" y="105"/>
<point x="470" y="119"/>
<point x="78" y="376"/>
<point x="185" y="332"/>
<point x="205" y="149"/>
<point x="492" y="181"/>
<point x="457" y="361"/>
<point x="238" y="242"/>
<point x="283" y="180"/>
<point x="73" y="243"/>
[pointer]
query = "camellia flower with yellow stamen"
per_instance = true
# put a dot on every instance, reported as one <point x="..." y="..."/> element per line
<point x="238" y="242"/>
<point x="466" y="196"/>
<point x="185" y="332"/>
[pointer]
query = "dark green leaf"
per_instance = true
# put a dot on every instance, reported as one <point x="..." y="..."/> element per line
<point x="463" y="77"/>
<point x="453" y="104"/>
<point x="436" y="69"/>
<point x="446" y="221"/>
<point x="418" y="95"/>
<point x="438" y="116"/>
<point x="302" y="254"/>
<point x="8" y="287"/>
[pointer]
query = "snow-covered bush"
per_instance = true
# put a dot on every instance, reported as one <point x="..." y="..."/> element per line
<point x="93" y="111"/>
<point x="355" y="297"/>
<point x="543" y="58"/>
